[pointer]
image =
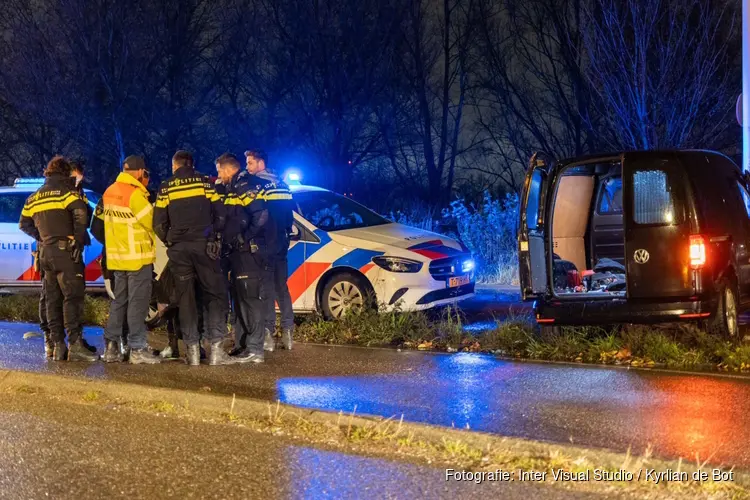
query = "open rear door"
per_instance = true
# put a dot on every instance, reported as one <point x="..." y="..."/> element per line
<point x="532" y="247"/>
<point x="657" y="226"/>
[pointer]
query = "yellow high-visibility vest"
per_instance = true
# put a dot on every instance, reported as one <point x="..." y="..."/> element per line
<point x="128" y="225"/>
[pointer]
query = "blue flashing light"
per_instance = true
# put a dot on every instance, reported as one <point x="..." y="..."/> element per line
<point x="468" y="266"/>
<point x="293" y="177"/>
<point x="28" y="181"/>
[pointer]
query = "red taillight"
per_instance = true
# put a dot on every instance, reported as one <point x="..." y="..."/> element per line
<point x="697" y="251"/>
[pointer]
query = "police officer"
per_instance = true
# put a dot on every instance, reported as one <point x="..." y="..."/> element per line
<point x="247" y="218"/>
<point x="56" y="215"/>
<point x="77" y="176"/>
<point x="189" y="218"/>
<point x="278" y="201"/>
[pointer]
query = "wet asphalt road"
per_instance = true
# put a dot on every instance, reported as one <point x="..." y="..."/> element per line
<point x="679" y="415"/>
<point x="51" y="449"/>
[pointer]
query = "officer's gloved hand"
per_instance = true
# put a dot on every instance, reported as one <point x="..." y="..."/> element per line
<point x="238" y="242"/>
<point x="76" y="251"/>
<point x="213" y="249"/>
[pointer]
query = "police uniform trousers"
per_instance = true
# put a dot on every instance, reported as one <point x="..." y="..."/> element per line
<point x="279" y="293"/>
<point x="251" y="280"/>
<point x="190" y="262"/>
<point x="43" y="323"/>
<point x="64" y="290"/>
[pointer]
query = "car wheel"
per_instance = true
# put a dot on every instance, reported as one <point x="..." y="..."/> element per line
<point x="726" y="318"/>
<point x="344" y="293"/>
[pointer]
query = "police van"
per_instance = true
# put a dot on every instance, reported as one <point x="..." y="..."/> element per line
<point x="17" y="269"/>
<point x="342" y="252"/>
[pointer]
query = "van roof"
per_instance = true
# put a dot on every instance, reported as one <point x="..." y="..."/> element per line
<point x="616" y="154"/>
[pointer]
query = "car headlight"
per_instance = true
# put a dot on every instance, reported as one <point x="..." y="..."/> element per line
<point x="467" y="266"/>
<point x="398" y="264"/>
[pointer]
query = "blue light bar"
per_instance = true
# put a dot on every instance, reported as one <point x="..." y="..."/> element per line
<point x="293" y="177"/>
<point x="28" y="181"/>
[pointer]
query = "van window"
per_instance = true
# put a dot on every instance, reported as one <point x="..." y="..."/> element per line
<point x="653" y="201"/>
<point x="532" y="207"/>
<point x="611" y="197"/>
<point x="745" y="197"/>
<point x="11" y="205"/>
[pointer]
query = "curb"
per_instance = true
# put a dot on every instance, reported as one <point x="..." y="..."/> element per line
<point x="214" y="406"/>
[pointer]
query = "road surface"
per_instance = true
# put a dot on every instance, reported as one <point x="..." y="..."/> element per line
<point x="679" y="415"/>
<point x="52" y="449"/>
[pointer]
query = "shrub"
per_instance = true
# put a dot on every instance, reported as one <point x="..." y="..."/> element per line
<point x="489" y="231"/>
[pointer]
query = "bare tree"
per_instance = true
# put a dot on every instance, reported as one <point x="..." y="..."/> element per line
<point x="662" y="71"/>
<point x="532" y="92"/>
<point x="429" y="134"/>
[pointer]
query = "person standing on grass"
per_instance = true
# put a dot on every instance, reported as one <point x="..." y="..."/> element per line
<point x="127" y="219"/>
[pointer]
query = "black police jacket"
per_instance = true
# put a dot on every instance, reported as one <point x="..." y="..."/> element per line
<point x="280" y="205"/>
<point x="188" y="208"/>
<point x="56" y="212"/>
<point x="257" y="214"/>
<point x="237" y="218"/>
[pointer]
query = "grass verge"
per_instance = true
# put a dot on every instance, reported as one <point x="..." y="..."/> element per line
<point x="395" y="438"/>
<point x="672" y="346"/>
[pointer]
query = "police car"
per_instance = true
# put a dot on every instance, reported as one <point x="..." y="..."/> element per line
<point x="342" y="251"/>
<point x="17" y="269"/>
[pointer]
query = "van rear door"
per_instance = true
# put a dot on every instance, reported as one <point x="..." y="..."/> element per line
<point x="532" y="246"/>
<point x="657" y="226"/>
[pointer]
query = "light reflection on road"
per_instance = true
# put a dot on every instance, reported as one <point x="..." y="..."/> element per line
<point x="679" y="415"/>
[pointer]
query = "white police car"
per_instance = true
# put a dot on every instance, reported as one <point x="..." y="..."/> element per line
<point x="342" y="251"/>
<point x="17" y="269"/>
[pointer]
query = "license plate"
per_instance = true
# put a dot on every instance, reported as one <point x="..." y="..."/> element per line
<point x="458" y="281"/>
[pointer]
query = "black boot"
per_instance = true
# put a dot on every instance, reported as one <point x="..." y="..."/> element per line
<point x="286" y="339"/>
<point x="77" y="352"/>
<point x="87" y="345"/>
<point x="60" y="352"/>
<point x="144" y="356"/>
<point x="245" y="356"/>
<point x="112" y="352"/>
<point x="270" y="343"/>
<point x="49" y="345"/>
<point x="125" y="350"/>
<point x="172" y="351"/>
<point x="193" y="355"/>
<point x="218" y="356"/>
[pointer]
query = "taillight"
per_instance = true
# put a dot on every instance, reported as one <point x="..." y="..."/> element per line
<point x="697" y="251"/>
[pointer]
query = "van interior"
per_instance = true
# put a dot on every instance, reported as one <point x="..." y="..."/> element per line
<point x="588" y="234"/>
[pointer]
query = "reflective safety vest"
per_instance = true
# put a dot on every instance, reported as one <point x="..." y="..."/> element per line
<point x="128" y="225"/>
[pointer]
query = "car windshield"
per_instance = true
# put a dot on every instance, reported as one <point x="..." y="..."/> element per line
<point x="333" y="212"/>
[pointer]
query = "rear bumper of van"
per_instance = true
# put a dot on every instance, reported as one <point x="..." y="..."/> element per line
<point x="598" y="312"/>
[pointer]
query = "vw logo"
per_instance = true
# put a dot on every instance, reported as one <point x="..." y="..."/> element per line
<point x="641" y="256"/>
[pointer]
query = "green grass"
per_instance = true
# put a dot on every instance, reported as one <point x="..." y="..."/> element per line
<point x="25" y="309"/>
